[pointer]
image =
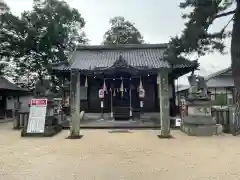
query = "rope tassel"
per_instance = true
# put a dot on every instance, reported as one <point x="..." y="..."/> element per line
<point x="104" y="86"/>
<point x="86" y="82"/>
<point x="122" y="88"/>
<point x="114" y="92"/>
<point x="140" y="84"/>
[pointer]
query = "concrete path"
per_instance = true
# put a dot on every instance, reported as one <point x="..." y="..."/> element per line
<point x="101" y="155"/>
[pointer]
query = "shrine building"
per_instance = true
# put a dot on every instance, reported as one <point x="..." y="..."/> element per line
<point x="130" y="80"/>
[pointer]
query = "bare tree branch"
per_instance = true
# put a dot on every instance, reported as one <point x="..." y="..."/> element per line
<point x="225" y="14"/>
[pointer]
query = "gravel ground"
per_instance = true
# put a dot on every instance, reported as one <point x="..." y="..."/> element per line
<point x="100" y="155"/>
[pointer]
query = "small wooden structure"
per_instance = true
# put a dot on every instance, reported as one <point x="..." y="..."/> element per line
<point x="136" y="79"/>
<point x="8" y="89"/>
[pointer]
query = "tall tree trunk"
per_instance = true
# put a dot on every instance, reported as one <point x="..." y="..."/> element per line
<point x="235" y="56"/>
<point x="235" y="48"/>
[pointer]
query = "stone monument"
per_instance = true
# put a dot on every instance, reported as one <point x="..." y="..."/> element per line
<point x="51" y="124"/>
<point x="199" y="121"/>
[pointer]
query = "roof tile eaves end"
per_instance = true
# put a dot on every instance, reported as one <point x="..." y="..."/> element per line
<point x="122" y="46"/>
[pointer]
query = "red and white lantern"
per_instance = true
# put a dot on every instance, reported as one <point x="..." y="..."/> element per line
<point x="141" y="93"/>
<point x="101" y="93"/>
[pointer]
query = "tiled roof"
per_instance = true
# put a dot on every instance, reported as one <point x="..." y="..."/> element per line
<point x="222" y="78"/>
<point x="90" y="59"/>
<point x="226" y="71"/>
<point x="148" y="56"/>
<point x="220" y="82"/>
<point x="7" y="85"/>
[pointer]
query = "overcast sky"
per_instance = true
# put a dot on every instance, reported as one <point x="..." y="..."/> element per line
<point x="157" y="20"/>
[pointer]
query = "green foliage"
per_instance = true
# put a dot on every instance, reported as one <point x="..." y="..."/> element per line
<point x="44" y="35"/>
<point x="196" y="37"/>
<point x="122" y="32"/>
<point x="4" y="52"/>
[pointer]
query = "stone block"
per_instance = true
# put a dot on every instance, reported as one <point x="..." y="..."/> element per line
<point x="199" y="130"/>
<point x="199" y="120"/>
<point x="199" y="110"/>
<point x="199" y="126"/>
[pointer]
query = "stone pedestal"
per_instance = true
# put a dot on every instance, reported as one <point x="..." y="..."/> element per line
<point x="199" y="126"/>
<point x="199" y="121"/>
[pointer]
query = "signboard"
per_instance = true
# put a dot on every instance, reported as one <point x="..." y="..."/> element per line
<point x="101" y="93"/>
<point x="141" y="93"/>
<point x="36" y="122"/>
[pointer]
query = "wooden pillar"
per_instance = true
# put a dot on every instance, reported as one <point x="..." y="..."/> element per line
<point x="75" y="104"/>
<point x="164" y="104"/>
